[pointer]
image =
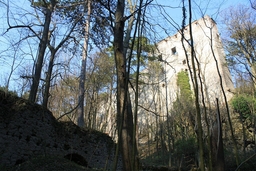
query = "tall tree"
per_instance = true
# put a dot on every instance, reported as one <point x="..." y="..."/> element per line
<point x="53" y="51"/>
<point x="48" y="8"/>
<point x="124" y="110"/>
<point x="80" y="112"/>
<point x="194" y="73"/>
<point x="240" y="22"/>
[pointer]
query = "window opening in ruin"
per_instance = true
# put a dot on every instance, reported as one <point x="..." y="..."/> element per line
<point x="184" y="62"/>
<point x="174" y="52"/>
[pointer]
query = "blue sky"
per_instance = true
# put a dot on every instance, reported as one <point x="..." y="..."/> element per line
<point x="213" y="8"/>
<point x="171" y="8"/>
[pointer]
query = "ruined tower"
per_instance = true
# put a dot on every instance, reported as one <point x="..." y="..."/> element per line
<point x="209" y="54"/>
<point x="160" y="91"/>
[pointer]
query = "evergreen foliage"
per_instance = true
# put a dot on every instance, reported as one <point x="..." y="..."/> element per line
<point x="244" y="105"/>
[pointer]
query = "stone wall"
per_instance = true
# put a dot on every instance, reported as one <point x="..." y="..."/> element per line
<point x="27" y="130"/>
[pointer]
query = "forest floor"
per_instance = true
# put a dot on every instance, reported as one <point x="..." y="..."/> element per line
<point x="49" y="163"/>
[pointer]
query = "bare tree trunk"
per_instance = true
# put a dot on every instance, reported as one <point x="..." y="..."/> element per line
<point x="168" y="121"/>
<point x="124" y="111"/>
<point x="109" y="121"/>
<point x="41" y="51"/>
<point x="12" y="70"/>
<point x="220" y="160"/>
<point x="135" y="154"/>
<point x="135" y="126"/>
<point x="80" y="111"/>
<point x="48" y="79"/>
<point x="196" y="91"/>
<point x="225" y="100"/>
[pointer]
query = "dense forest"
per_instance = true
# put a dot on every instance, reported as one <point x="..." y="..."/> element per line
<point x="86" y="61"/>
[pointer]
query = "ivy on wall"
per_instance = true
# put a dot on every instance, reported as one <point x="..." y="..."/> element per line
<point x="184" y="86"/>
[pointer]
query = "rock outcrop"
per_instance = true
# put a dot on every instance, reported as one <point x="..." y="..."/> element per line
<point x="28" y="130"/>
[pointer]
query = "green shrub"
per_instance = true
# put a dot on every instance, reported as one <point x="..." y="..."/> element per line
<point x="185" y="147"/>
<point x="244" y="105"/>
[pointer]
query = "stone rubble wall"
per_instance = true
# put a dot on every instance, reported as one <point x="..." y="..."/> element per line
<point x="27" y="130"/>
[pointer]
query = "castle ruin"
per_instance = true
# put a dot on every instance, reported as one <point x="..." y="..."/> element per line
<point x="161" y="90"/>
